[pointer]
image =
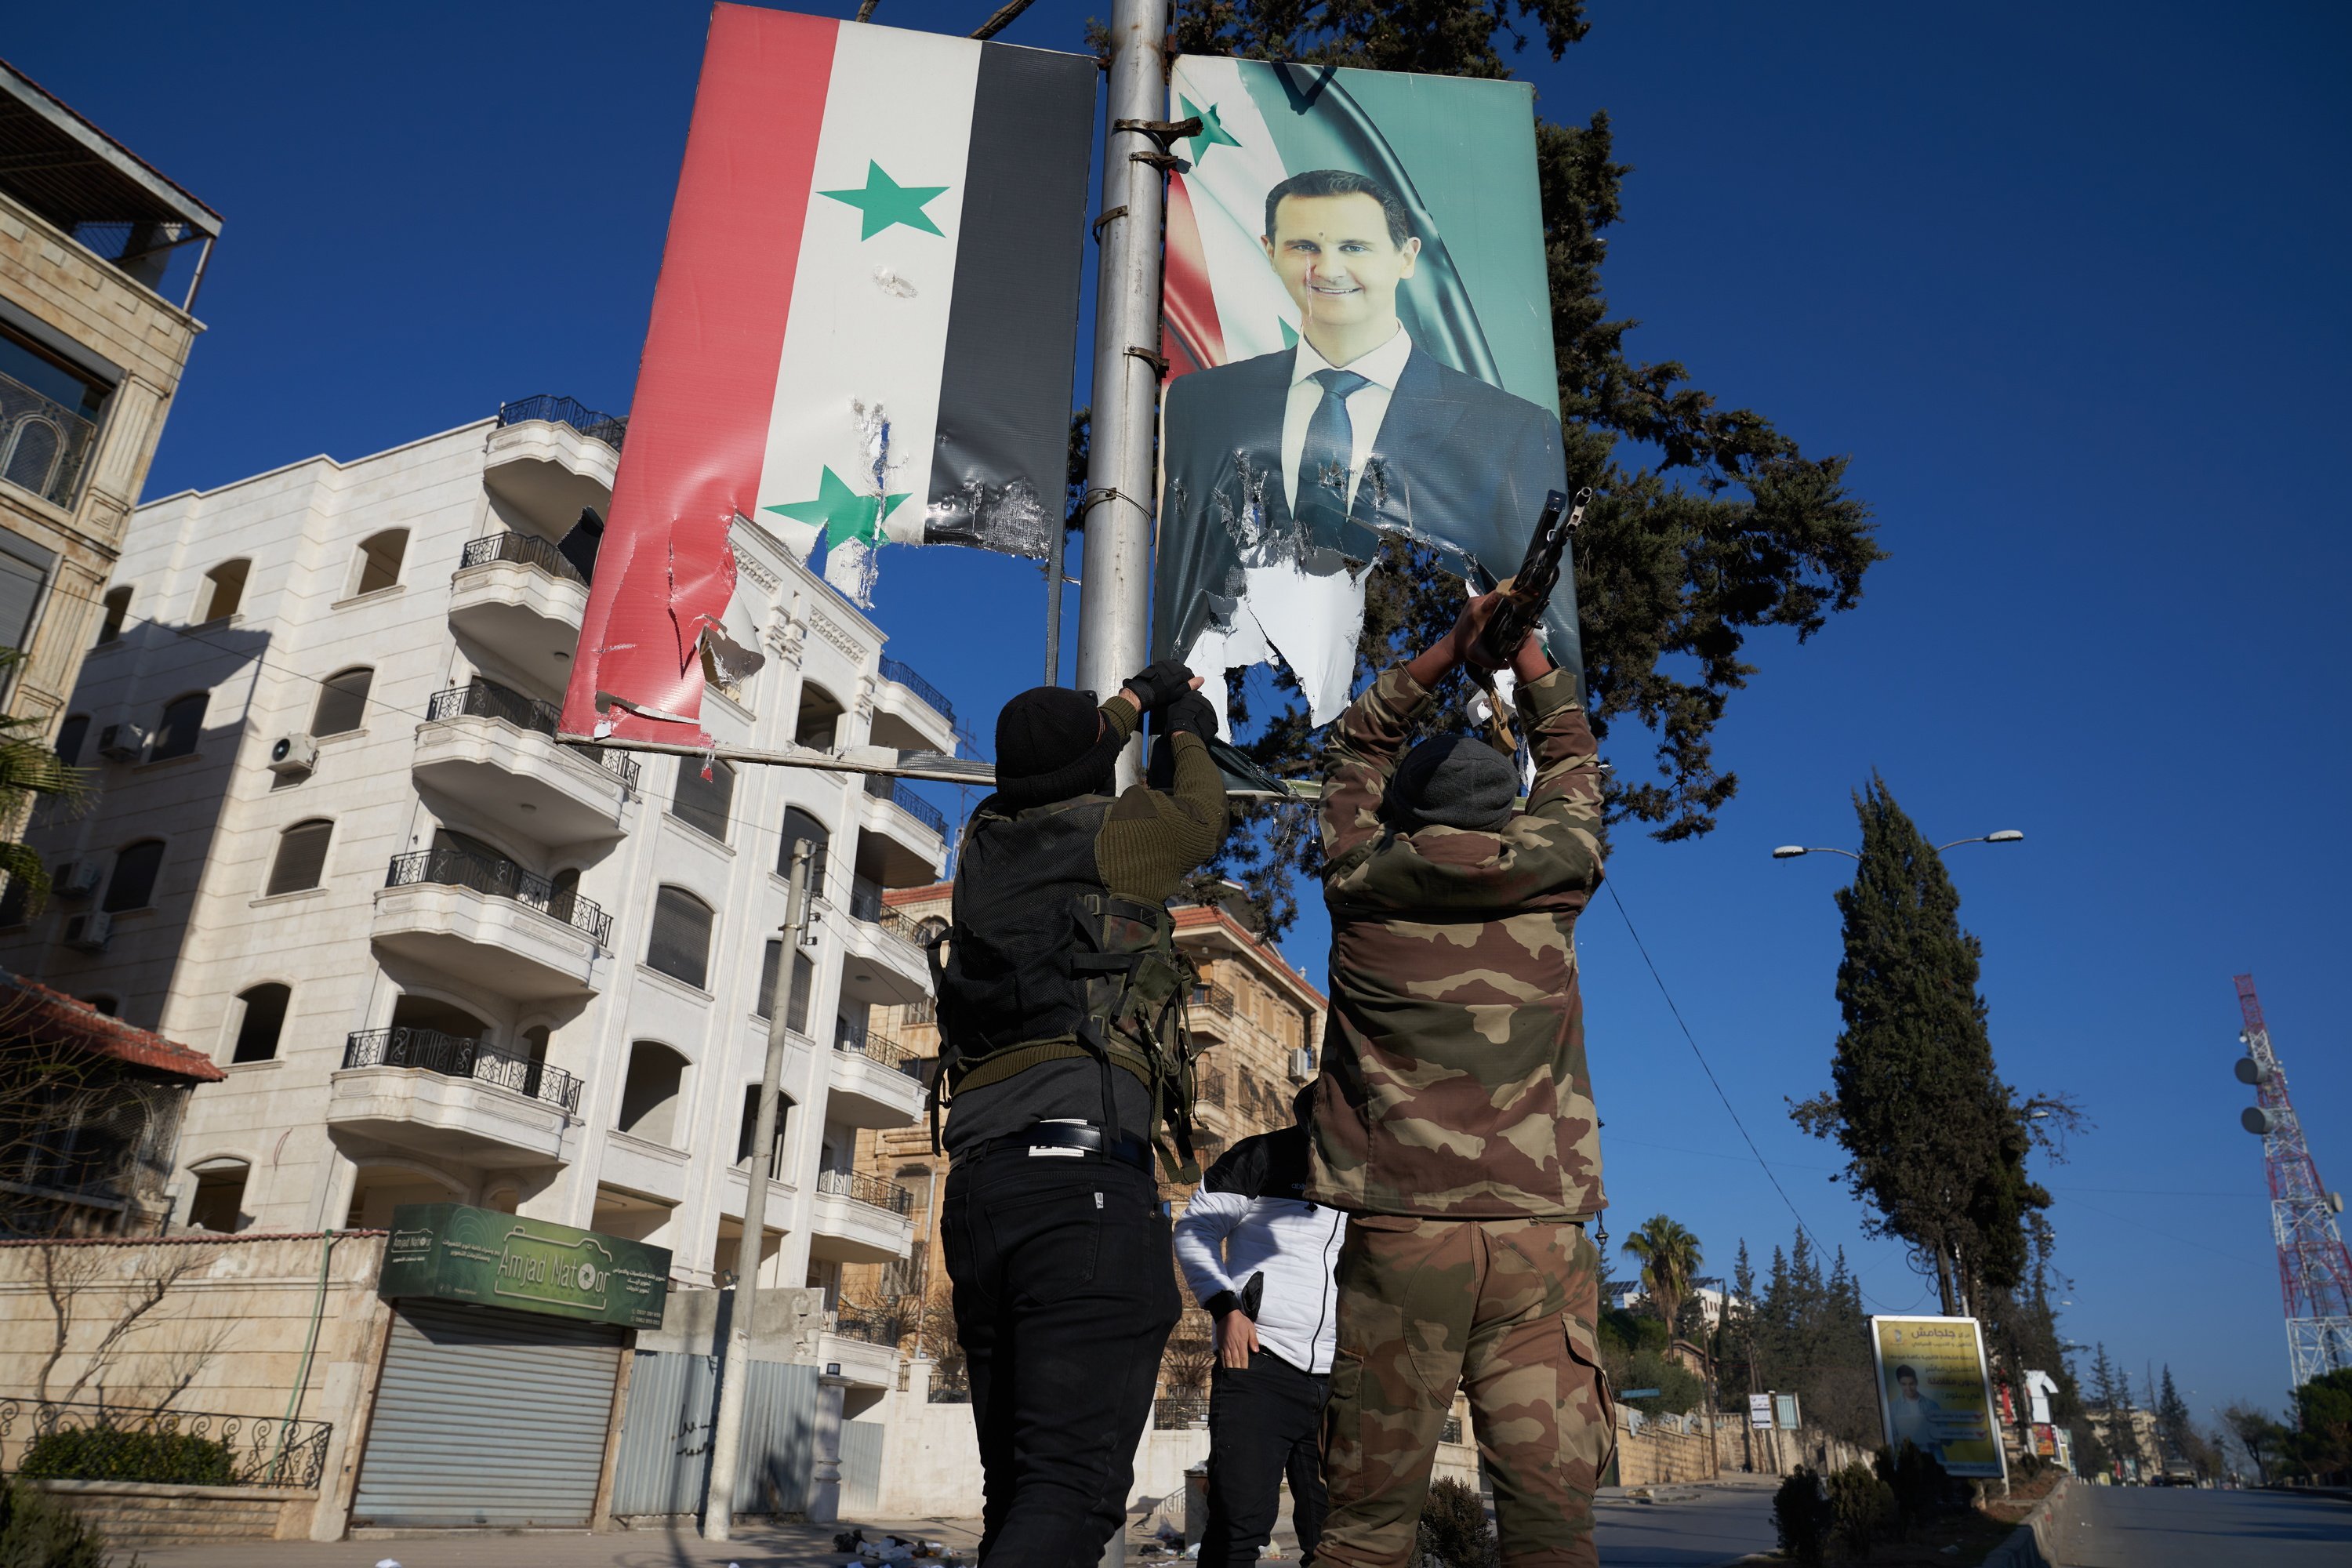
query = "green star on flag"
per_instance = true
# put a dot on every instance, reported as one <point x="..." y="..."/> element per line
<point x="885" y="201"/>
<point x="1212" y="130"/>
<point x="843" y="512"/>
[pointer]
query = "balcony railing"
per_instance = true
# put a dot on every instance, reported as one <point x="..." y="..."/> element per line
<point x="874" y="1190"/>
<point x="479" y="698"/>
<point x="877" y="1046"/>
<point x="1210" y="1089"/>
<point x="606" y="427"/>
<point x="904" y="674"/>
<point x="499" y="877"/>
<point x="870" y="1326"/>
<point x="1213" y="999"/>
<point x="882" y="786"/>
<point x="44" y="445"/>
<point x="865" y="904"/>
<point x="452" y="1056"/>
<point x="523" y="550"/>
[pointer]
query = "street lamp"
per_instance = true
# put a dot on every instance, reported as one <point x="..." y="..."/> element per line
<point x="2006" y="835"/>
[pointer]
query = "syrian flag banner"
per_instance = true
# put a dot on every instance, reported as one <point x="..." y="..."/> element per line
<point x="862" y="333"/>
<point x="1357" y="320"/>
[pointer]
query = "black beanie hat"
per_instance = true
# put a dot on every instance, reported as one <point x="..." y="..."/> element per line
<point x="1456" y="781"/>
<point x="1050" y="744"/>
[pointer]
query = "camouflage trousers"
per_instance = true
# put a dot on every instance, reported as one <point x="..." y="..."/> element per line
<point x="1504" y="1309"/>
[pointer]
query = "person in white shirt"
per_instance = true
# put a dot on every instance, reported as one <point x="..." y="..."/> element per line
<point x="1259" y="1258"/>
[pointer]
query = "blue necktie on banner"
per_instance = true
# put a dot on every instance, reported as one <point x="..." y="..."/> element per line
<point x="1329" y="455"/>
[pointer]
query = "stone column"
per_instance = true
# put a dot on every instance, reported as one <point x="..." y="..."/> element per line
<point x="824" y="1486"/>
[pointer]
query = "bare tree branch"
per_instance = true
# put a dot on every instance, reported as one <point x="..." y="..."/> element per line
<point x="866" y="9"/>
<point x="998" y="23"/>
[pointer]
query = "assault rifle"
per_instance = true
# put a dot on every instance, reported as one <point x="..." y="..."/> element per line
<point x="1527" y="593"/>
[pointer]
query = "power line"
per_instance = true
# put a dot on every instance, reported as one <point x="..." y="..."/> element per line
<point x="1761" y="1163"/>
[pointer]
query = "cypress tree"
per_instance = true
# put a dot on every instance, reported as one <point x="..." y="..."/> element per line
<point x="1935" y="1142"/>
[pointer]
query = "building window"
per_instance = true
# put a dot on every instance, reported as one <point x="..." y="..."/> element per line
<point x="220" y="1197"/>
<point x="264" y="1020"/>
<point x="681" y="947"/>
<point x="440" y="1017"/>
<point x="820" y="716"/>
<point x="184" y="723"/>
<point x="302" y="858"/>
<point x="24" y="570"/>
<point x="799" y="827"/>
<point x="71" y="736"/>
<point x="342" y="701"/>
<point x="118" y="609"/>
<point x="132" y="886"/>
<point x="750" y="1129"/>
<point x="704" y="803"/>
<point x="48" y="420"/>
<point x="803" y="983"/>
<point x="378" y="566"/>
<point x="649" y="1096"/>
<point x="223" y="592"/>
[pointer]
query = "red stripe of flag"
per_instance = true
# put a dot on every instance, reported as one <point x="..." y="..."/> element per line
<point x="698" y="424"/>
<point x="1192" y="337"/>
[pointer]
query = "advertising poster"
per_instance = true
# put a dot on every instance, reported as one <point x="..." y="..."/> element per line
<point x="862" y="333"/>
<point x="451" y="1252"/>
<point x="1933" y="1392"/>
<point x="1358" y="335"/>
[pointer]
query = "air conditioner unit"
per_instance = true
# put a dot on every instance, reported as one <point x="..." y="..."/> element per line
<point x="1302" y="1064"/>
<point x="90" y="932"/>
<point x="293" y="754"/>
<point x="123" y="743"/>
<point x="76" y="880"/>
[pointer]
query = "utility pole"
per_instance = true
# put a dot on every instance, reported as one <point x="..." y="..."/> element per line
<point x="1115" y="606"/>
<point x="727" y="1429"/>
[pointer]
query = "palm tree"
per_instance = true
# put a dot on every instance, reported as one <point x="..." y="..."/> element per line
<point x="1670" y="1257"/>
<point x="30" y="772"/>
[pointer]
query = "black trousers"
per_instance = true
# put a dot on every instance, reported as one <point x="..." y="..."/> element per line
<point x="1266" y="1422"/>
<point x="1064" y="1299"/>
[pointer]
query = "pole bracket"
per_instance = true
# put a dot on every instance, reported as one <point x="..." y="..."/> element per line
<point x="1164" y="131"/>
<point x="1158" y="362"/>
<point x="1098" y="224"/>
<point x="1166" y="163"/>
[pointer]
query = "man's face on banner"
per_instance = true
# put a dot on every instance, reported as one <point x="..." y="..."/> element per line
<point x="1334" y="255"/>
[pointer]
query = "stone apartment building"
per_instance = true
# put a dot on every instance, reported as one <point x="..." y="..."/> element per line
<point x="101" y="256"/>
<point x="438" y="955"/>
<point x="1257" y="1021"/>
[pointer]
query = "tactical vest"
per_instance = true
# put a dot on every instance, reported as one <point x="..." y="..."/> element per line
<point x="1044" y="963"/>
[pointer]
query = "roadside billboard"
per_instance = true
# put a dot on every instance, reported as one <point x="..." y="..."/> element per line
<point x="1358" y="325"/>
<point x="1934" y="1392"/>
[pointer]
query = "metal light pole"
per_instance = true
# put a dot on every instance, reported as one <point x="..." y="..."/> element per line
<point x="727" y="1426"/>
<point x="1115" y="606"/>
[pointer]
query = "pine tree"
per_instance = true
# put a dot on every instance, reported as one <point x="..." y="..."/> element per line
<point x="1720" y="527"/>
<point x="2172" y="1417"/>
<point x="1935" y="1140"/>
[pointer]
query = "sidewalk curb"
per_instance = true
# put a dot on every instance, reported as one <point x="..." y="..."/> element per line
<point x="2038" y="1541"/>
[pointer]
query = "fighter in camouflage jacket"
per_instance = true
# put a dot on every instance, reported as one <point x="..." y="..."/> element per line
<point x="1453" y="1118"/>
<point x="1454" y="1082"/>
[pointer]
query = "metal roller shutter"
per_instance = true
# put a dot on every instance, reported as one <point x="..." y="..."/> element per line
<point x="487" y="1418"/>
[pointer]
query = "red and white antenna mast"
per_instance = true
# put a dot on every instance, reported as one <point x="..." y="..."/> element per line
<point x="2315" y="1270"/>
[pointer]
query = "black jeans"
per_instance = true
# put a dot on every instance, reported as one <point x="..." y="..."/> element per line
<point x="1265" y="1422"/>
<point x="1064" y="1299"/>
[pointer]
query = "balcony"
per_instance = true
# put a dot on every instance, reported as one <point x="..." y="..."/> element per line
<point x="550" y="458"/>
<point x="1211" y="1010"/>
<point x="514" y="595"/>
<point x="449" y="1098"/>
<point x="487" y="922"/>
<point x="909" y="712"/>
<point x="495" y="749"/>
<point x="859" y="1218"/>
<point x="883" y="963"/>
<point x="865" y="1345"/>
<point x="905" y="841"/>
<point x="876" y="1082"/>
<point x="44" y="445"/>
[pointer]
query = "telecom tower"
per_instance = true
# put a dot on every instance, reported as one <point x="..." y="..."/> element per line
<point x="2315" y="1270"/>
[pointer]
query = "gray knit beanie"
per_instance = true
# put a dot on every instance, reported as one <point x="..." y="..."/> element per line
<point x="1456" y="781"/>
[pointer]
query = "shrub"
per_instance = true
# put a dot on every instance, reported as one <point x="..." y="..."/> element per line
<point x="1921" y="1486"/>
<point x="37" y="1530"/>
<point x="105" y="1453"/>
<point x="1678" y="1391"/>
<point x="1861" y="1510"/>
<point x="1454" y="1531"/>
<point x="1801" y="1512"/>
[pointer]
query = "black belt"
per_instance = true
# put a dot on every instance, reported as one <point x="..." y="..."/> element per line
<point x="1070" y="1135"/>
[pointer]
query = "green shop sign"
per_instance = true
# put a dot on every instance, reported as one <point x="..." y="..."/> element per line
<point x="453" y="1253"/>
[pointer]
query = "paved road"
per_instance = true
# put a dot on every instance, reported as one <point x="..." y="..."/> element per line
<point x="1721" y="1523"/>
<point x="2144" y="1527"/>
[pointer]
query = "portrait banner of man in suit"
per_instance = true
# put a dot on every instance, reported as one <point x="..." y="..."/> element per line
<point x="1358" y="334"/>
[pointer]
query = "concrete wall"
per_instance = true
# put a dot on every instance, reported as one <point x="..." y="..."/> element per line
<point x="228" y="1329"/>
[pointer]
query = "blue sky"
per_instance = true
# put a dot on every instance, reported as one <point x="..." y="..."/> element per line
<point x="2064" y="281"/>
